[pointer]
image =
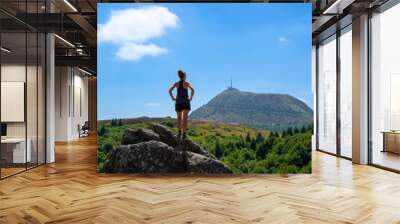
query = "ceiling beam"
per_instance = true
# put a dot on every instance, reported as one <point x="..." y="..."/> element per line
<point x="79" y="61"/>
<point x="86" y="26"/>
<point x="337" y="7"/>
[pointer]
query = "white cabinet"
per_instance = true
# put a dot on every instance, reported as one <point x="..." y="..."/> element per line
<point x="19" y="155"/>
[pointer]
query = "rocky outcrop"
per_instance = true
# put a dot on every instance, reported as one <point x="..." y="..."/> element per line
<point x="160" y="151"/>
<point x="196" y="163"/>
<point x="166" y="135"/>
<point x="133" y="136"/>
<point x="170" y="139"/>
<point x="190" y="146"/>
<point x="146" y="157"/>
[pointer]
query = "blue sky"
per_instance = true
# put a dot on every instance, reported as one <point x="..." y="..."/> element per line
<point x="264" y="48"/>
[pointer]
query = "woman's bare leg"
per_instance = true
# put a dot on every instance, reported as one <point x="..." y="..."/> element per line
<point x="185" y="121"/>
<point x="179" y="116"/>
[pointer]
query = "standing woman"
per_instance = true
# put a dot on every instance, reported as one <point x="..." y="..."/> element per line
<point x="182" y="102"/>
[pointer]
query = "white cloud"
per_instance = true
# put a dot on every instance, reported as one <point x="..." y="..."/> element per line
<point x="283" y="39"/>
<point x="137" y="25"/>
<point x="152" y="104"/>
<point x="133" y="52"/>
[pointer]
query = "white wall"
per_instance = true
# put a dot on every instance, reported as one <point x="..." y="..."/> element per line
<point x="80" y="110"/>
<point x="62" y="82"/>
<point x="71" y="94"/>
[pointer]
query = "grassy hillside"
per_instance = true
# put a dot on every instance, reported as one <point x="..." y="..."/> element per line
<point x="244" y="150"/>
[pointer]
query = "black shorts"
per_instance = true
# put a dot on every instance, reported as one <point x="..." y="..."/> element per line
<point x="182" y="106"/>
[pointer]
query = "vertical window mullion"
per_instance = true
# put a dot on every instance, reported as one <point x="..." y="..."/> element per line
<point x="338" y="80"/>
<point x="317" y="96"/>
<point x="26" y="86"/>
<point x="0" y="92"/>
<point x="37" y="90"/>
<point x="369" y="90"/>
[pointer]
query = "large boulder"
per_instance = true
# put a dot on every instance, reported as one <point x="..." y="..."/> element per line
<point x="170" y="139"/>
<point x="133" y="136"/>
<point x="145" y="157"/>
<point x="196" y="163"/>
<point x="190" y="146"/>
<point x="166" y="135"/>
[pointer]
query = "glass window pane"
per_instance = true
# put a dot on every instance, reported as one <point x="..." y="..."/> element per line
<point x="13" y="86"/>
<point x="31" y="97"/>
<point x="327" y="95"/>
<point x="385" y="93"/>
<point x="41" y="98"/>
<point x="22" y="90"/>
<point x="346" y="93"/>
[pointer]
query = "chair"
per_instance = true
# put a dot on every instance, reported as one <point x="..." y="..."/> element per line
<point x="84" y="130"/>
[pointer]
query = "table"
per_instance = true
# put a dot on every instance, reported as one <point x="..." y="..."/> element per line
<point x="391" y="141"/>
<point x="13" y="150"/>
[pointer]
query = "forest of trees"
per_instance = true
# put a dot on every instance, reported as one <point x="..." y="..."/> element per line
<point x="244" y="150"/>
<point x="287" y="152"/>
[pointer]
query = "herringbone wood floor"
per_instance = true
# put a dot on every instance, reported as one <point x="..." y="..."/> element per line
<point x="70" y="191"/>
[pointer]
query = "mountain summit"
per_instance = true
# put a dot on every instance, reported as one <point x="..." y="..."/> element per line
<point x="259" y="110"/>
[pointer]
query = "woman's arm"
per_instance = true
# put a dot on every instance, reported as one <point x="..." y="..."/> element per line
<point x="170" y="91"/>
<point x="191" y="92"/>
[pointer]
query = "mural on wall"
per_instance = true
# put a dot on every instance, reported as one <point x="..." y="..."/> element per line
<point x="204" y="88"/>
